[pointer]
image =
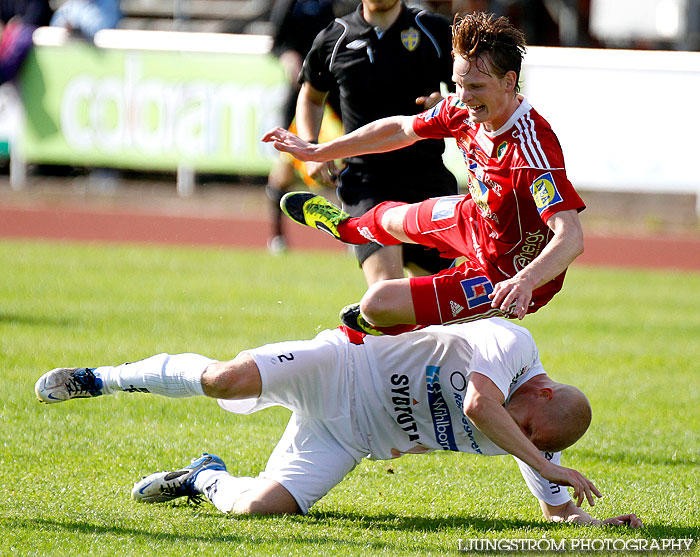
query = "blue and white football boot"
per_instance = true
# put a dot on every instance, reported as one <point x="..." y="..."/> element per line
<point x="65" y="383"/>
<point x="162" y="487"/>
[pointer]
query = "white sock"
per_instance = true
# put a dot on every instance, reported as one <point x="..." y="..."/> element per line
<point x="221" y="488"/>
<point x="175" y="376"/>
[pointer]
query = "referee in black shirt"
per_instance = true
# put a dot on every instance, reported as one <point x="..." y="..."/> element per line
<point x="295" y="26"/>
<point x="385" y="59"/>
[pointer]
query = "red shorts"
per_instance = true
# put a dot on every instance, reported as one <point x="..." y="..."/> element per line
<point x="460" y="293"/>
<point x="442" y="223"/>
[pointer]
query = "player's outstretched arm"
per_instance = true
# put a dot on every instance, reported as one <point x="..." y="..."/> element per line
<point x="572" y="514"/>
<point x="380" y="136"/>
<point x="483" y="405"/>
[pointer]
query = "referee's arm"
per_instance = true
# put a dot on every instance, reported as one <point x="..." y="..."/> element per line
<point x="309" y="113"/>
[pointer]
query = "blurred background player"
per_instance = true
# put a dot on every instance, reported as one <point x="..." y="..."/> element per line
<point x="31" y="12"/>
<point x="87" y="17"/>
<point x="384" y="59"/>
<point x="18" y="20"/>
<point x="295" y="25"/>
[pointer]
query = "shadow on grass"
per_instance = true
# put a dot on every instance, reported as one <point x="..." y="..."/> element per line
<point x="35" y="320"/>
<point x="353" y="523"/>
<point x="630" y="457"/>
<point x="389" y="522"/>
<point x="36" y="525"/>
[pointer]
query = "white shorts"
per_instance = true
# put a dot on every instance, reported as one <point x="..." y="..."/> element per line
<point x="322" y="443"/>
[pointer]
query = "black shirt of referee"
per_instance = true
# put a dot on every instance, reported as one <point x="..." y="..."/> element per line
<point x="380" y="75"/>
<point x="295" y="25"/>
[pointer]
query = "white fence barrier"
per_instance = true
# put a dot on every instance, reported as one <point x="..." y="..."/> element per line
<point x="627" y="120"/>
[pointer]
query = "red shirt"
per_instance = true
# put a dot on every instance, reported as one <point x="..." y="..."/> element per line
<point x="517" y="180"/>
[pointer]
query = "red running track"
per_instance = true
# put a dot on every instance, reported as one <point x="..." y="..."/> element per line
<point x="667" y="252"/>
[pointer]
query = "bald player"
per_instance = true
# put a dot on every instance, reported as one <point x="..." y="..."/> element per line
<point x="476" y="388"/>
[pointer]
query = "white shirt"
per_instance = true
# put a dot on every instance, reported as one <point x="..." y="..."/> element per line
<point x="411" y="395"/>
<point x="400" y="394"/>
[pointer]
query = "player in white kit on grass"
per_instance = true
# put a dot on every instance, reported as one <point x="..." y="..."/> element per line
<point x="474" y="387"/>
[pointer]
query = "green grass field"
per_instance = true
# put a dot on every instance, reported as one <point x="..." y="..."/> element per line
<point x="629" y="339"/>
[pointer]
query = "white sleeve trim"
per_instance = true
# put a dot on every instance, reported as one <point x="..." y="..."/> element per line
<point x="551" y="493"/>
<point x="346" y="28"/>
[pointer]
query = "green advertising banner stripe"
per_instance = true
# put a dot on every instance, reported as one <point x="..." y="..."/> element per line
<point x="155" y="110"/>
<point x="150" y="110"/>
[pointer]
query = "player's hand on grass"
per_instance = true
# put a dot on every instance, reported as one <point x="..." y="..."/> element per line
<point x="288" y="142"/>
<point x="512" y="296"/>
<point x="583" y="487"/>
<point x="569" y="513"/>
<point x="630" y="520"/>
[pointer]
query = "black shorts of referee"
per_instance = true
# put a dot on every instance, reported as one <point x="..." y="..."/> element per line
<point x="361" y="188"/>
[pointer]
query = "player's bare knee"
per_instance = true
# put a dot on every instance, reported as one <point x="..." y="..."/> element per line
<point x="257" y="503"/>
<point x="234" y="379"/>
<point x="246" y="507"/>
<point x="218" y="381"/>
<point x="374" y="307"/>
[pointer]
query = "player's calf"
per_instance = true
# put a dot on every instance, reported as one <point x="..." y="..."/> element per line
<point x="171" y="375"/>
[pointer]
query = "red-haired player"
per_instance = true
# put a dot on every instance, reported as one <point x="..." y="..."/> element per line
<point x="518" y="228"/>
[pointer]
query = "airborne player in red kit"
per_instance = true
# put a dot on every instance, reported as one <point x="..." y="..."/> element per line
<point x="519" y="226"/>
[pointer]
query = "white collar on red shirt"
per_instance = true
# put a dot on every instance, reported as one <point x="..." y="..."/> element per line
<point x="522" y="109"/>
<point x="485" y="138"/>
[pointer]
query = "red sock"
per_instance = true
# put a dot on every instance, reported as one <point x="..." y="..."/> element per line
<point x="347" y="230"/>
<point x="368" y="227"/>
